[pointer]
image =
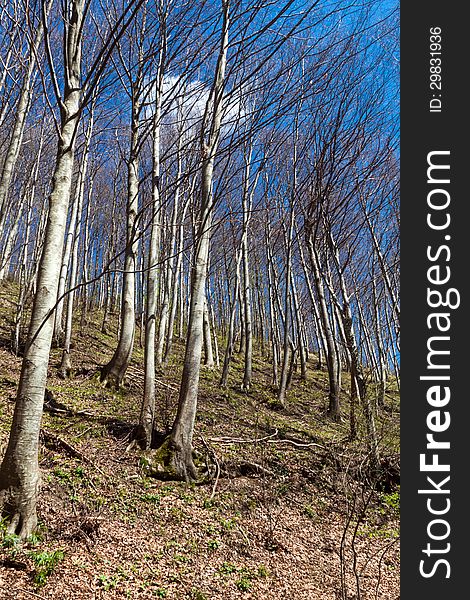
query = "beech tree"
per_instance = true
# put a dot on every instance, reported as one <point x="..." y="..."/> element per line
<point x="19" y="472"/>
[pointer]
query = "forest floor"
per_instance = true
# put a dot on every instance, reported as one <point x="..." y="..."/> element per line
<point x="291" y="516"/>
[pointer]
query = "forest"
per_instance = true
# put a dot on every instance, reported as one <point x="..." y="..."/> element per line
<point x="199" y="299"/>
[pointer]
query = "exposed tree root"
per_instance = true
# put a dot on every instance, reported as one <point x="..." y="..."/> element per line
<point x="20" y="512"/>
<point x="167" y="462"/>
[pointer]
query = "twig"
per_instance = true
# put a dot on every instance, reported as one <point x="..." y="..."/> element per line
<point x="166" y="385"/>
<point x="257" y="467"/>
<point x="268" y="439"/>
<point x="226" y="440"/>
<point x="242" y="531"/>
<point x="296" y="444"/>
<point x="84" y="431"/>
<point x="30" y="593"/>
<point x="217" y="466"/>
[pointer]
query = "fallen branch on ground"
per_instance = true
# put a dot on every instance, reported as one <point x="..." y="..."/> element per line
<point x="217" y="466"/>
<point x="249" y="467"/>
<point x="268" y="439"/>
<point x="52" y="438"/>
<point x="227" y="440"/>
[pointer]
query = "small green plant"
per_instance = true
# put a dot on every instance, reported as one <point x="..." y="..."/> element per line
<point x="392" y="500"/>
<point x="108" y="583"/>
<point x="180" y="558"/>
<point x="10" y="541"/>
<point x="79" y="472"/>
<point x="177" y="513"/>
<point x="198" y="595"/>
<point x="310" y="511"/>
<point x="227" y="568"/>
<point x="61" y="474"/>
<point x="228" y="524"/>
<point x="34" y="539"/>
<point x="160" y="593"/>
<point x="3" y="524"/>
<point x="262" y="571"/>
<point x="45" y="563"/>
<point x="244" y="583"/>
<point x="12" y="544"/>
<point x="150" y="498"/>
<point x="213" y="544"/>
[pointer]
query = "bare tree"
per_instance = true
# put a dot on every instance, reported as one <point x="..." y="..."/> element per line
<point x="19" y="472"/>
<point x="182" y="432"/>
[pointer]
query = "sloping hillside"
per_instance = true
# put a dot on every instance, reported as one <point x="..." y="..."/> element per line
<point x="286" y="511"/>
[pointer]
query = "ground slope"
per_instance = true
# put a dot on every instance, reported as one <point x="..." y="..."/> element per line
<point x="290" y="516"/>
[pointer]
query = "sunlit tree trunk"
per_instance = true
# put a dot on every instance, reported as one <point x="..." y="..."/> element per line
<point x="166" y="320"/>
<point x="114" y="372"/>
<point x="147" y="413"/>
<point x="183" y="427"/>
<point x="21" y="113"/>
<point x="66" y="363"/>
<point x="231" y="326"/>
<point x="332" y="358"/>
<point x="19" y="472"/>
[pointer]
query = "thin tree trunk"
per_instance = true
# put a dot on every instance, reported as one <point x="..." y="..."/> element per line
<point x="272" y="303"/>
<point x="72" y="234"/>
<point x="183" y="427"/>
<point x="22" y="110"/>
<point x="231" y="328"/>
<point x="332" y="359"/>
<point x="66" y="363"/>
<point x="170" y="280"/>
<point x="147" y="413"/>
<point x="207" y="339"/>
<point x="177" y="283"/>
<point x="287" y="316"/>
<point x="247" y="199"/>
<point x="114" y="372"/>
<point x="214" y="333"/>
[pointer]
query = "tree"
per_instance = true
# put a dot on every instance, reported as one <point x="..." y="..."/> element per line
<point x="147" y="414"/>
<point x="181" y="437"/>
<point x="19" y="472"/>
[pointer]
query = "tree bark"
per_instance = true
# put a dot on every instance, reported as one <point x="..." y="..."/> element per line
<point x="332" y="359"/>
<point x="66" y="363"/>
<point x="183" y="427"/>
<point x="114" y="372"/>
<point x="19" y="472"/>
<point x="22" y="110"/>
<point x="147" y="413"/>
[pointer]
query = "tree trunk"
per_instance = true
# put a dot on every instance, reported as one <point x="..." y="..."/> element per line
<point x="22" y="110"/>
<point x="287" y="314"/>
<point x="208" y="353"/>
<point x="183" y="427"/>
<point x="66" y="364"/>
<point x="177" y="283"/>
<point x="19" y="472"/>
<point x="332" y="359"/>
<point x="114" y="372"/>
<point x="231" y="328"/>
<point x="246" y="291"/>
<point x="147" y="413"/>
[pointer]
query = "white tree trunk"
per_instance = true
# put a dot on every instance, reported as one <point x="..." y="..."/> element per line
<point x="22" y="110"/>
<point x="114" y="372"/>
<point x="19" y="472"/>
<point x="147" y="413"/>
<point x="208" y="352"/>
<point x="183" y="427"/>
